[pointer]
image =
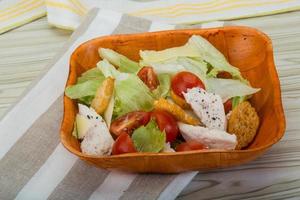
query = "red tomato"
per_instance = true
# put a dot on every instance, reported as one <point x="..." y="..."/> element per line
<point x="123" y="144"/>
<point x="166" y="122"/>
<point x="225" y="75"/>
<point x="228" y="106"/>
<point x="191" y="145"/>
<point x="183" y="81"/>
<point x="148" y="76"/>
<point x="127" y="123"/>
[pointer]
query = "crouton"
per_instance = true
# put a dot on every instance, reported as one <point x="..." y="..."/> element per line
<point x="243" y="122"/>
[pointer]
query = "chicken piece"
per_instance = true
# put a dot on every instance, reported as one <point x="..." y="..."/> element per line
<point x="103" y="95"/>
<point x="176" y="111"/>
<point x="97" y="140"/>
<point x="243" y="122"/>
<point x="213" y="138"/>
<point x="208" y="107"/>
<point x="89" y="113"/>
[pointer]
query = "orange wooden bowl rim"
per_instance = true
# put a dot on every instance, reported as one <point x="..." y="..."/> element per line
<point x="277" y="102"/>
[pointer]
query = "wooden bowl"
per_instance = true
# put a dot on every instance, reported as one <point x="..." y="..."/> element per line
<point x="246" y="48"/>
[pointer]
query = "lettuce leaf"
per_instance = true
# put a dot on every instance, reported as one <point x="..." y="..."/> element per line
<point x="109" y="70"/>
<point x="170" y="66"/>
<point x="197" y="67"/>
<point x="130" y="93"/>
<point x="150" y="56"/>
<point x="175" y="65"/>
<point x="87" y="88"/>
<point x="228" y="88"/>
<point x="91" y="74"/>
<point x="214" y="57"/>
<point x="123" y="63"/>
<point x="237" y="100"/>
<point x="197" y="63"/>
<point x="86" y="100"/>
<point x="164" y="86"/>
<point x="149" y="138"/>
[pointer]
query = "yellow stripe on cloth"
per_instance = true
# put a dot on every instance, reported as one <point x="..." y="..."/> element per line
<point x="26" y="9"/>
<point x="204" y="8"/>
<point x="154" y="11"/>
<point x="80" y="7"/>
<point x="216" y="10"/>
<point x="13" y="7"/>
<point x="71" y="12"/>
<point x="17" y="7"/>
<point x="22" y="22"/>
<point x="63" y="6"/>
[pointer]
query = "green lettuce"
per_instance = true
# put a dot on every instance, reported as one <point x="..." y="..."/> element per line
<point x="149" y="138"/>
<point x="150" y="56"/>
<point x="170" y="66"/>
<point x="164" y="86"/>
<point x="123" y="63"/>
<point x="197" y="63"/>
<point x="214" y="57"/>
<point x="91" y="74"/>
<point x="108" y="70"/>
<point x="175" y="65"/>
<point x="131" y="94"/>
<point x="85" y="88"/>
<point x="86" y="100"/>
<point x="228" y="88"/>
<point x="197" y="67"/>
<point x="237" y="100"/>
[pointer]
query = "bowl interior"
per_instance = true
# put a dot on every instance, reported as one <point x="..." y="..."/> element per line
<point x="245" y="48"/>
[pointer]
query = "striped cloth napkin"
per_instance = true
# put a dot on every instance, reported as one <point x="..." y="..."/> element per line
<point x="33" y="162"/>
<point x="68" y="14"/>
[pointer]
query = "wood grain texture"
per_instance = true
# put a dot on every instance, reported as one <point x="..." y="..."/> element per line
<point x="24" y="53"/>
<point x="273" y="176"/>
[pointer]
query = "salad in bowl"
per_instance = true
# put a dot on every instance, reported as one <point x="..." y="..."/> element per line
<point x="177" y="99"/>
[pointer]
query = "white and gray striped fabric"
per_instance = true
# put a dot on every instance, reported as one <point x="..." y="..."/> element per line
<point x="34" y="165"/>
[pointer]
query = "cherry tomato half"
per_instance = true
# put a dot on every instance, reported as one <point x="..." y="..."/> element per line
<point x="183" y="81"/>
<point x="228" y="106"/>
<point x="123" y="144"/>
<point x="191" y="145"/>
<point x="128" y="122"/>
<point x="225" y="75"/>
<point x="166" y="122"/>
<point x="148" y="76"/>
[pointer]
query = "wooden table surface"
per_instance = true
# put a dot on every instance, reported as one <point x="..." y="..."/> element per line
<point x="24" y="53"/>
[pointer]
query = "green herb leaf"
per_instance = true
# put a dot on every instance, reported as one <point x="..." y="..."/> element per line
<point x="149" y="138"/>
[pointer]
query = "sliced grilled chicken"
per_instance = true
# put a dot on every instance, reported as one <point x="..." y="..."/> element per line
<point x="208" y="107"/>
<point x="213" y="138"/>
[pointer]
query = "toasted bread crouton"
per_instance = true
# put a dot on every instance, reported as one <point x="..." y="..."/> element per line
<point x="243" y="122"/>
<point x="176" y="111"/>
<point x="103" y="95"/>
